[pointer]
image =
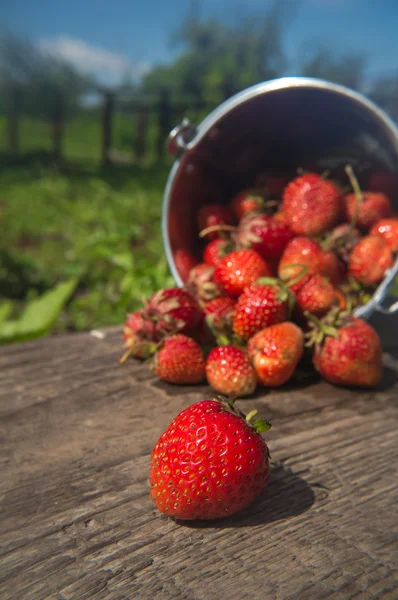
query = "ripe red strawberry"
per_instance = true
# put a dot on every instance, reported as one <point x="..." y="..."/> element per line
<point x="239" y="269"/>
<point x="388" y="230"/>
<point x="266" y="235"/>
<point x="333" y="268"/>
<point x="373" y="206"/>
<point x="370" y="259"/>
<point x="211" y="215"/>
<point x="200" y="283"/>
<point x="316" y="295"/>
<point x="180" y="360"/>
<point x="275" y="352"/>
<point x="230" y="372"/>
<point x="219" y="314"/>
<point x="312" y="204"/>
<point x="216" y="250"/>
<point x="209" y="463"/>
<point x="140" y="336"/>
<point x="301" y="251"/>
<point x="174" y="310"/>
<point x="260" y="305"/>
<point x="246" y="202"/>
<point x="184" y="262"/>
<point x="347" y="350"/>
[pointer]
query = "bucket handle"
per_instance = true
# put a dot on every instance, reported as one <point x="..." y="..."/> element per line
<point x="180" y="136"/>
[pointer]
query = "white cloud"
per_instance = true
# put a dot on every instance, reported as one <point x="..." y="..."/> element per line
<point x="93" y="59"/>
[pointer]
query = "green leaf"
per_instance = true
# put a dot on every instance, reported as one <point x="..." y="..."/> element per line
<point x="124" y="260"/>
<point x="39" y="314"/>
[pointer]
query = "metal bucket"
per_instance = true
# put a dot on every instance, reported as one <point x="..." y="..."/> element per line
<point x="278" y="125"/>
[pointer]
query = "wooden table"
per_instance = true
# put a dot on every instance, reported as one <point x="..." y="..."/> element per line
<point x="77" y="522"/>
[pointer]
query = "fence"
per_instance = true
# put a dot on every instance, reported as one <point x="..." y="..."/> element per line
<point x="144" y="122"/>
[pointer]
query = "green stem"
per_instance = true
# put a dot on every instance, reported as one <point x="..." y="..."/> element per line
<point x="358" y="194"/>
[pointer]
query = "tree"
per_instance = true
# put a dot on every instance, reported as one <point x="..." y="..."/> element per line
<point x="219" y="59"/>
<point x="346" y="69"/>
<point x="385" y="93"/>
<point x="22" y="63"/>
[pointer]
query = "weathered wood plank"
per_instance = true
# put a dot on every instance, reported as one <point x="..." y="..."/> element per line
<point x="77" y="522"/>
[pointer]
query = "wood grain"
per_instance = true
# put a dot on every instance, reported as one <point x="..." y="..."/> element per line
<point x="77" y="522"/>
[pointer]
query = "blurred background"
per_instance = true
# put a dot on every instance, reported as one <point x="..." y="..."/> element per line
<point x="88" y="94"/>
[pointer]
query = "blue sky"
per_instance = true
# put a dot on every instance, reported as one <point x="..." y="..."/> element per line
<point x="112" y="37"/>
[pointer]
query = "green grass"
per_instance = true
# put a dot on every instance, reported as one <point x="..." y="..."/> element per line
<point x="102" y="226"/>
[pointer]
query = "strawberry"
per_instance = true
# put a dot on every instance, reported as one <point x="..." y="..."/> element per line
<point x="219" y="315"/>
<point x="211" y="215"/>
<point x="367" y="208"/>
<point x="200" y="283"/>
<point x="275" y="352"/>
<point x="215" y="250"/>
<point x="209" y="463"/>
<point x="312" y="204"/>
<point x="316" y="295"/>
<point x="230" y="372"/>
<point x="246" y="202"/>
<point x="265" y="235"/>
<point x="180" y="360"/>
<point x="184" y="262"/>
<point x="301" y="251"/>
<point x="140" y="336"/>
<point x="388" y="230"/>
<point x="370" y="259"/>
<point x="332" y="268"/>
<point x="260" y="305"/>
<point x="174" y="310"/>
<point x="347" y="350"/>
<point x="239" y="269"/>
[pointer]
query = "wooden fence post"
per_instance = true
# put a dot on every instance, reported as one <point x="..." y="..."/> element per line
<point x="107" y="114"/>
<point x="164" y="125"/>
<point x="141" y="130"/>
<point x="12" y="107"/>
<point x="58" y="123"/>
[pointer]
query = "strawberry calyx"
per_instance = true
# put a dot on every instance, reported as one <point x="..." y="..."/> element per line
<point x="328" y="326"/>
<point x="259" y="425"/>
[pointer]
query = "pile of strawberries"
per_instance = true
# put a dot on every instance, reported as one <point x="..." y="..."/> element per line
<point x="284" y="265"/>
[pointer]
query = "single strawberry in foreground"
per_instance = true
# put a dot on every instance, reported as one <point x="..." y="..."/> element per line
<point x="370" y="259"/>
<point x="239" y="269"/>
<point x="180" y="360"/>
<point x="173" y="310"/>
<point x="312" y="204"/>
<point x="260" y="305"/>
<point x="230" y="372"/>
<point x="211" y="215"/>
<point x="347" y="350"/>
<point x="210" y="463"/>
<point x="388" y="230"/>
<point x="266" y="235"/>
<point x="275" y="352"/>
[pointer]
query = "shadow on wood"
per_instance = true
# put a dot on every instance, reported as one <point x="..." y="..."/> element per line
<point x="286" y="496"/>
